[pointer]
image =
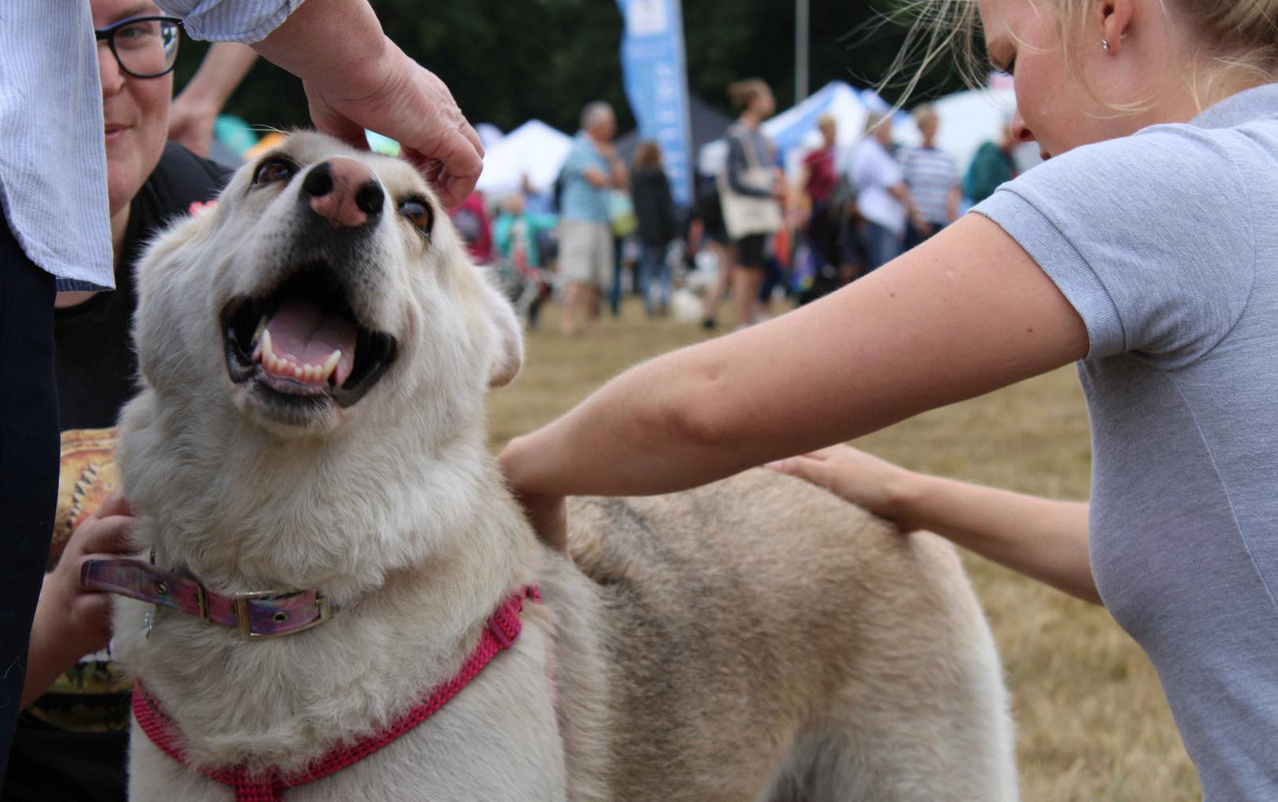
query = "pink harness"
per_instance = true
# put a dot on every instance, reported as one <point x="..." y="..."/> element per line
<point x="129" y="578"/>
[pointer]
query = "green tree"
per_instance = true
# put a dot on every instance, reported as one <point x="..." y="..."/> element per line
<point x="507" y="61"/>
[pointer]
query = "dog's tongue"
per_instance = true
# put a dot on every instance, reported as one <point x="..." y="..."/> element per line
<point x="303" y="334"/>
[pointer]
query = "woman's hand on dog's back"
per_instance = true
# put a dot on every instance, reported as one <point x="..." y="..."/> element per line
<point x="548" y="514"/>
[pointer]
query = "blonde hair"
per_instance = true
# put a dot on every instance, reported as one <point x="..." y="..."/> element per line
<point x="1239" y="35"/>
<point x="741" y="93"/>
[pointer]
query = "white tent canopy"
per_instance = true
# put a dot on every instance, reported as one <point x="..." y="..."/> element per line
<point x="533" y="149"/>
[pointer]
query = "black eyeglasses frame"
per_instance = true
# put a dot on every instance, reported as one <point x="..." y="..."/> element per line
<point x="108" y="33"/>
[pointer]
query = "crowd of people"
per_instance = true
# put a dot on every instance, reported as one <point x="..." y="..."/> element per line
<point x="607" y="226"/>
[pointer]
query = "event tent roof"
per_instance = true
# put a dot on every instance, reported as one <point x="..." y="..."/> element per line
<point x="533" y="149"/>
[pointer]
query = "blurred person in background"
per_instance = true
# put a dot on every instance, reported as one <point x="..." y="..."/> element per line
<point x="708" y="239"/>
<point x="817" y="183"/>
<point x="655" y="210"/>
<point x="882" y="199"/>
<point x="933" y="180"/>
<point x="991" y="167"/>
<point x="536" y="201"/>
<point x="476" y="228"/>
<point x="586" y="247"/>
<point x="750" y="193"/>
<point x="519" y="239"/>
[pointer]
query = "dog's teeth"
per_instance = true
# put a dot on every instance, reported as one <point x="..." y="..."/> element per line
<point x="268" y="353"/>
<point x="298" y="372"/>
<point x="331" y="364"/>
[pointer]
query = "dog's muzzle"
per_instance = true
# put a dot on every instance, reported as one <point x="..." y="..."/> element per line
<point x="302" y="345"/>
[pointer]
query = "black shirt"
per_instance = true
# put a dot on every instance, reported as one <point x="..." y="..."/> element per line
<point x="95" y="363"/>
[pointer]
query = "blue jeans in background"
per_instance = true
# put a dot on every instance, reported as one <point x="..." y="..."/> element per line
<point x="614" y="292"/>
<point x="654" y="269"/>
<point x="882" y="245"/>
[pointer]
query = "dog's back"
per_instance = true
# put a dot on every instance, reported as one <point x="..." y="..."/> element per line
<point x="765" y="640"/>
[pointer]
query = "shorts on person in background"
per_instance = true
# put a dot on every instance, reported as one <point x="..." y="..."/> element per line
<point x="586" y="253"/>
<point x="750" y="251"/>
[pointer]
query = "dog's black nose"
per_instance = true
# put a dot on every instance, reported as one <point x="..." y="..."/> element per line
<point x="344" y="192"/>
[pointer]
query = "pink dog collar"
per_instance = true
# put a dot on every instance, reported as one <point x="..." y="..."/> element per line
<point x="262" y="614"/>
<point x="500" y="633"/>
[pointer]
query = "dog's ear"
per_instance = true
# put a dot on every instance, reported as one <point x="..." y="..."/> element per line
<point x="508" y="357"/>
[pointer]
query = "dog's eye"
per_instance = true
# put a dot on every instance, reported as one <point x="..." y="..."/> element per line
<point x="418" y="213"/>
<point x="274" y="170"/>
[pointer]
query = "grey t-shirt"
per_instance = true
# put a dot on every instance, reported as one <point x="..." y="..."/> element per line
<point x="1166" y="243"/>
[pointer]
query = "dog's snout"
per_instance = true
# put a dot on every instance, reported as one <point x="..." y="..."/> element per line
<point x="344" y="192"/>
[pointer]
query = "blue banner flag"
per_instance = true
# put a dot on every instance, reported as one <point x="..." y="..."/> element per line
<point x="652" y="63"/>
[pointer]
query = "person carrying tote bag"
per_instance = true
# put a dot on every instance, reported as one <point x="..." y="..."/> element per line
<point x="751" y="210"/>
<point x="748" y="214"/>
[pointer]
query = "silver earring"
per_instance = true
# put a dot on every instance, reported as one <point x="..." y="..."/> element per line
<point x="1105" y="44"/>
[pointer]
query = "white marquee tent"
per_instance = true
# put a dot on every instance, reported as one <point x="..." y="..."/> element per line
<point x="533" y="149"/>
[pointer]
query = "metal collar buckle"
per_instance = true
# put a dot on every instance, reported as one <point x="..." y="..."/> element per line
<point x="240" y="603"/>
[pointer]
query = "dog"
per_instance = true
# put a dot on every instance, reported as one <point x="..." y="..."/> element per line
<point x="315" y="351"/>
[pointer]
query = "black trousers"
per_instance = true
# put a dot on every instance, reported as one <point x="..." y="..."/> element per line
<point x="28" y="462"/>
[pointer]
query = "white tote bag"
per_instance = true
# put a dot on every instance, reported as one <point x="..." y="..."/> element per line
<point x="744" y="215"/>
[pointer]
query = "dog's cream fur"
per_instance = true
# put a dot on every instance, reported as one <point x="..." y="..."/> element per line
<point x="755" y="639"/>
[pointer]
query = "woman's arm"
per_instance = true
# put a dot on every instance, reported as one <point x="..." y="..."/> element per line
<point x="1041" y="538"/>
<point x="965" y="313"/>
<point x="201" y="100"/>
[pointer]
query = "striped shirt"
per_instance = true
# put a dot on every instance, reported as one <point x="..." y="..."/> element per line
<point x="930" y="175"/>
<point x="53" y="160"/>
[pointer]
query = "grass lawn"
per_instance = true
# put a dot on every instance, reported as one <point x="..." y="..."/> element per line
<point x="1091" y="720"/>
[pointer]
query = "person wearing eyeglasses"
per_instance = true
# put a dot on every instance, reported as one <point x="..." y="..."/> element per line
<point x="71" y="739"/>
<point x="57" y="229"/>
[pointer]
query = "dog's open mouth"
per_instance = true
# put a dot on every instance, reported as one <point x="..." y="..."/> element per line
<point x="303" y="342"/>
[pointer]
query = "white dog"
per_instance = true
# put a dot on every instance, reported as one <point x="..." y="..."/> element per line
<point x="310" y="435"/>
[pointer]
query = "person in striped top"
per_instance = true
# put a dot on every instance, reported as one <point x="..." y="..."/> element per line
<point x="933" y="180"/>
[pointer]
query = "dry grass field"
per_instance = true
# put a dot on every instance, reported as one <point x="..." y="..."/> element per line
<point x="1091" y="720"/>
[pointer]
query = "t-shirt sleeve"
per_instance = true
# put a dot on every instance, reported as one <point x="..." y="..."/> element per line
<point x="1150" y="238"/>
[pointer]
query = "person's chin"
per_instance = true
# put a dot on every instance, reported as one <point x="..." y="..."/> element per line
<point x="123" y="181"/>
